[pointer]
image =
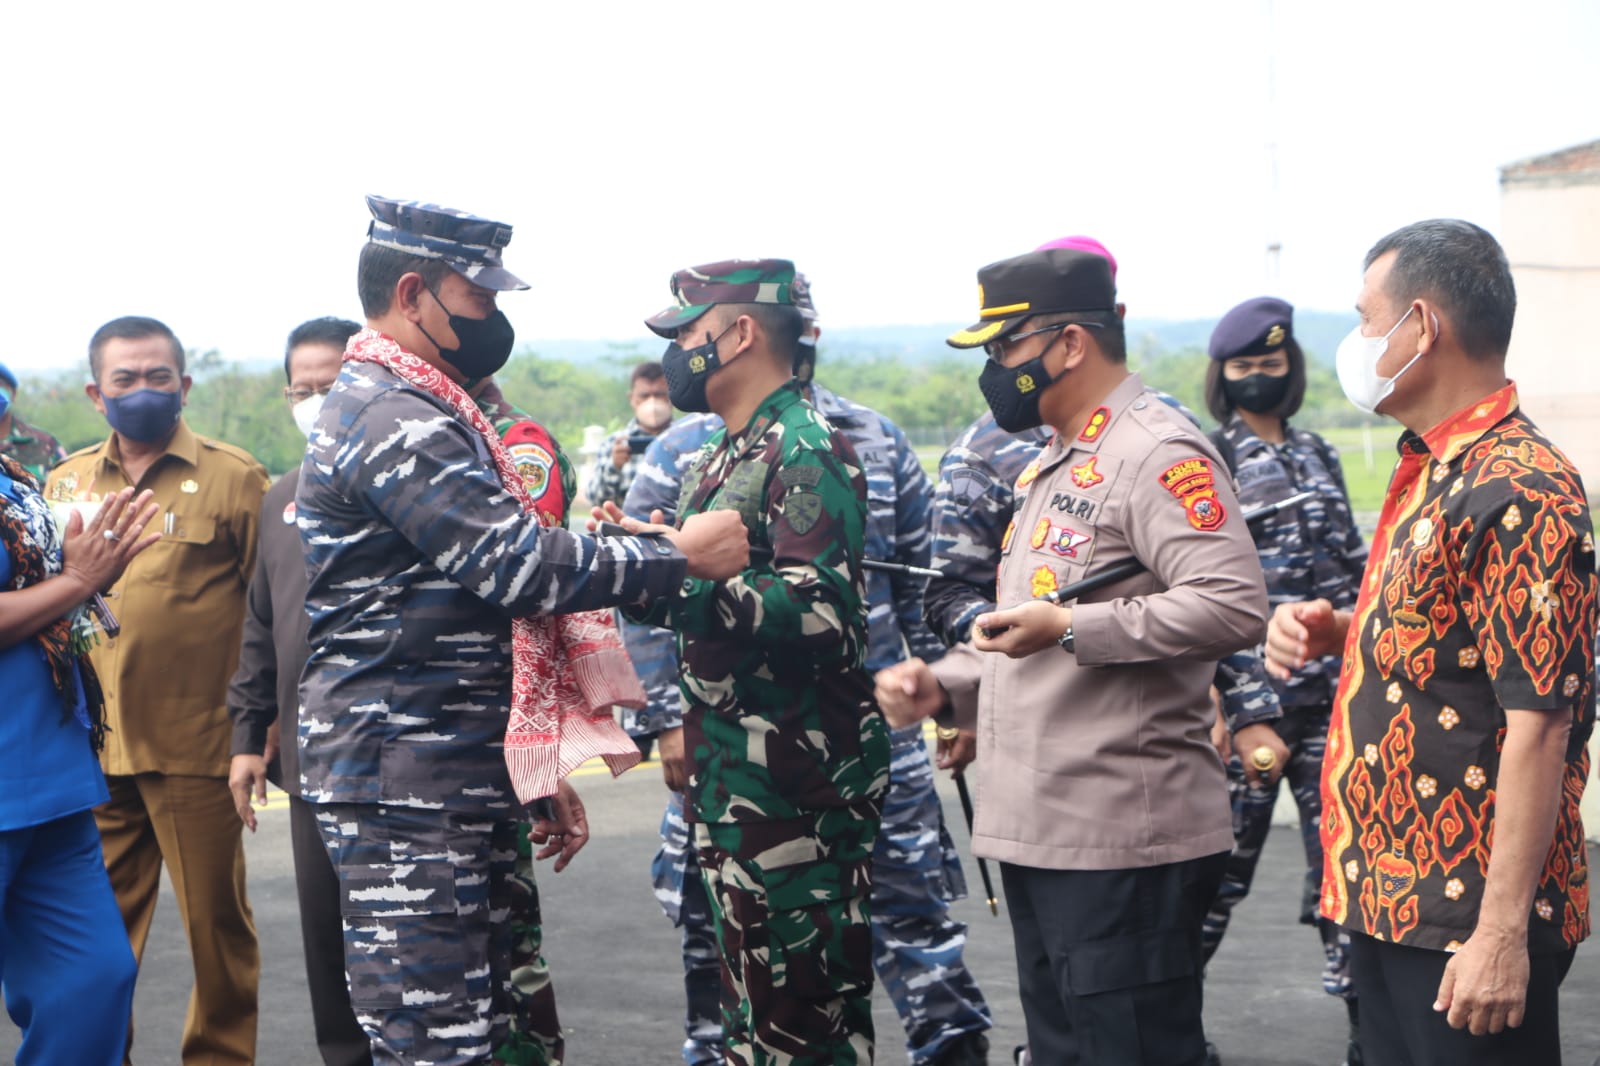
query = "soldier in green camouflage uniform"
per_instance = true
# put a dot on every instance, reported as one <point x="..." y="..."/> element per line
<point x="789" y="756"/>
<point x="35" y="449"/>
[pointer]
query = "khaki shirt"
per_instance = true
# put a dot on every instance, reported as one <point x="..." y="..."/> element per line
<point x="1103" y="760"/>
<point x="181" y="603"/>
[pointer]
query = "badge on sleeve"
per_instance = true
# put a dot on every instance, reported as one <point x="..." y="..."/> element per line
<point x="1192" y="484"/>
<point x="534" y="463"/>
<point x="1096" y="425"/>
<point x="289" y="513"/>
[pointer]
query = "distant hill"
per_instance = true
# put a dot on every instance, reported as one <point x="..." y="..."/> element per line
<point x="1319" y="331"/>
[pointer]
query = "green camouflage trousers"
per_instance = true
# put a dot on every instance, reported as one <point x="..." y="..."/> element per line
<point x="535" y="1036"/>
<point x="790" y="904"/>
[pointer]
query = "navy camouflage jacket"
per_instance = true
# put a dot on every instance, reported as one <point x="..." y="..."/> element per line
<point x="1314" y="551"/>
<point x="417" y="560"/>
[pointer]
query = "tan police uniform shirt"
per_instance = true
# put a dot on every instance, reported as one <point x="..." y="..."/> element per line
<point x="1102" y="760"/>
<point x="181" y="603"/>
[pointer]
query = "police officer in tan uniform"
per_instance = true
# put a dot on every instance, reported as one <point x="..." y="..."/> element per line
<point x="1097" y="787"/>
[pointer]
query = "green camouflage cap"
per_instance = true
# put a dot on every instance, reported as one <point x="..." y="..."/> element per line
<point x="733" y="281"/>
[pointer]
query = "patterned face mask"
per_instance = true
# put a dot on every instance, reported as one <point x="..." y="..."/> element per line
<point x="688" y="370"/>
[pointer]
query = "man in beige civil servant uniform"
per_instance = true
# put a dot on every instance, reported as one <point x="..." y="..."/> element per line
<point x="181" y="608"/>
<point x="1098" y="789"/>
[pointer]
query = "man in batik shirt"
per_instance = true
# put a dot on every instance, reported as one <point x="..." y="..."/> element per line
<point x="1465" y="698"/>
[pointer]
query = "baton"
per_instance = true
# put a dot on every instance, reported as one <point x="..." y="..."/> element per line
<point x="983" y="865"/>
<point x="1128" y="567"/>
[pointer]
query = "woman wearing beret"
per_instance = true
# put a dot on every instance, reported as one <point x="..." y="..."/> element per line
<point x="1254" y="384"/>
<point x="65" y="963"/>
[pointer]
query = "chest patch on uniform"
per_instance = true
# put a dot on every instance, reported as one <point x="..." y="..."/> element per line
<point x="1041" y="533"/>
<point x="1066" y="542"/>
<point x="1076" y="506"/>
<point x="1029" y="472"/>
<point x="1005" y="541"/>
<point x="289" y="512"/>
<point x="65" y="489"/>
<point x="534" y="464"/>
<point x="1043" y="582"/>
<point x="1096" y="425"/>
<point x="1193" y="484"/>
<point x="1085" y="476"/>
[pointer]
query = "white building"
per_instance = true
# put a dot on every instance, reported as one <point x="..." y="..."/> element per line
<point x="1550" y="227"/>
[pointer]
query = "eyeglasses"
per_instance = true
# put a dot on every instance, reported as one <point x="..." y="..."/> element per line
<point x="301" y="395"/>
<point x="996" y="349"/>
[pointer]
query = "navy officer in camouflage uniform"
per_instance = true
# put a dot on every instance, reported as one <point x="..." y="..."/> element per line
<point x="916" y="870"/>
<point x="787" y="755"/>
<point x="1255" y="383"/>
<point x="418" y="558"/>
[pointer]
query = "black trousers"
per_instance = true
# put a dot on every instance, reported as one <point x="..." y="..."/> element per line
<point x="1399" y="1027"/>
<point x="339" y="1037"/>
<point x="1108" y="961"/>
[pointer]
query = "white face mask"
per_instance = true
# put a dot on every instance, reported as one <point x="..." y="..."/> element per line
<point x="1357" y="364"/>
<point x="306" y="411"/>
<point x="653" y="412"/>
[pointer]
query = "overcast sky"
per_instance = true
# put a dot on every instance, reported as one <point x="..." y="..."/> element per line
<point x="205" y="164"/>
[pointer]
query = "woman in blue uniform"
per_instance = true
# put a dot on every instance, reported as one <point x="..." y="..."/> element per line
<point x="65" y="963"/>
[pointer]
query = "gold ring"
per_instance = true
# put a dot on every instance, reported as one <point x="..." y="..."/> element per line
<point x="946" y="732"/>
<point x="1263" y="759"/>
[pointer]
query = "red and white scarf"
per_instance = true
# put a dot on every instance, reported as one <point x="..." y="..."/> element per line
<point x="567" y="670"/>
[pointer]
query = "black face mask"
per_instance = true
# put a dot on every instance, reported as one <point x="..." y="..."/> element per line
<point x="1013" y="392"/>
<point x="688" y="370"/>
<point x="1257" y="393"/>
<point x="485" y="343"/>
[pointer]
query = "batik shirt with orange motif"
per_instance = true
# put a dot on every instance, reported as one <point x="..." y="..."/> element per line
<point x="1479" y="596"/>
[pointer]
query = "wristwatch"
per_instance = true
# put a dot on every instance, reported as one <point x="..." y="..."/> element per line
<point x="1068" y="645"/>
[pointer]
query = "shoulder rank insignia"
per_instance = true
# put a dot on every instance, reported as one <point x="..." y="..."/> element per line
<point x="1096" y="425"/>
<point x="1085" y="476"/>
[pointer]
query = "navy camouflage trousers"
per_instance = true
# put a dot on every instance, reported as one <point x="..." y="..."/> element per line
<point x="425" y="898"/>
<point x="916" y="942"/>
<point x="1304" y="731"/>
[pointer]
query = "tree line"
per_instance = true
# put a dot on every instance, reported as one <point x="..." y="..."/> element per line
<point x="932" y="397"/>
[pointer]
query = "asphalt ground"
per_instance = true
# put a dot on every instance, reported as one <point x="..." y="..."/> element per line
<point x="614" y="956"/>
